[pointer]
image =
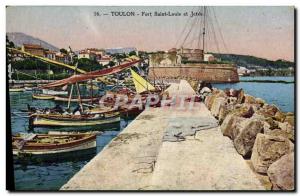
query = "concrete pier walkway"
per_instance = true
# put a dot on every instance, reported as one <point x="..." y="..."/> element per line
<point x="139" y="159"/>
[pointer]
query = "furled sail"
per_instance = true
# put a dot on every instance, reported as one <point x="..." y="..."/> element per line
<point x="140" y="83"/>
<point x="92" y="75"/>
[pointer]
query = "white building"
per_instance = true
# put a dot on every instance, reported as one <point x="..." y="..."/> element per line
<point x="209" y="57"/>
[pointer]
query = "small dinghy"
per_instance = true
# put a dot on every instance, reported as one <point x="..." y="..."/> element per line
<point x="54" y="92"/>
<point x="83" y="99"/>
<point x="16" y="90"/>
<point x="42" y="96"/>
<point x="51" y="144"/>
<point x="73" y="120"/>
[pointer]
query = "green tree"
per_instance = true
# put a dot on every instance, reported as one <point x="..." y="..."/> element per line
<point x="132" y="53"/>
<point x="64" y="51"/>
<point x="88" y="64"/>
<point x="111" y="63"/>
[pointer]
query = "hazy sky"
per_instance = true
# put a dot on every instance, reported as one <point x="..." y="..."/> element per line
<point x="260" y="31"/>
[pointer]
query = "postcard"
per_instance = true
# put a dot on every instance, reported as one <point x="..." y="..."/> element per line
<point x="150" y="98"/>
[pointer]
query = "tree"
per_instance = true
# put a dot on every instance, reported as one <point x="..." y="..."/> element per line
<point x="64" y="51"/>
<point x="111" y="63"/>
<point x="9" y="44"/>
<point x="132" y="53"/>
<point x="9" y="57"/>
<point x="88" y="65"/>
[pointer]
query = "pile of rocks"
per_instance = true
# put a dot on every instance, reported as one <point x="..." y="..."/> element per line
<point x="259" y="131"/>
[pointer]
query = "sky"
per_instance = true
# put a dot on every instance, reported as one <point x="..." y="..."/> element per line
<point x="266" y="32"/>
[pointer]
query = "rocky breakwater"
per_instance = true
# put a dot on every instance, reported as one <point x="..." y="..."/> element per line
<point x="259" y="131"/>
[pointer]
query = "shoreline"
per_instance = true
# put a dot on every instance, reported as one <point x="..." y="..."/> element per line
<point x="260" y="132"/>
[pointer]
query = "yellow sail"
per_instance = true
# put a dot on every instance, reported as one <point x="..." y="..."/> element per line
<point x="140" y="83"/>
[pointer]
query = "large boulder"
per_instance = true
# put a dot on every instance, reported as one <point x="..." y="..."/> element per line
<point x="268" y="111"/>
<point x="290" y="118"/>
<point x="240" y="96"/>
<point x="273" y="124"/>
<point x="289" y="129"/>
<point x="217" y="103"/>
<point x="281" y="173"/>
<point x="243" y="110"/>
<point x="250" y="99"/>
<point x="225" y="109"/>
<point x="267" y="149"/>
<point x="279" y="116"/>
<point x="232" y="125"/>
<point x="279" y="132"/>
<point x="244" y="140"/>
<point x="209" y="100"/>
<point x="260" y="102"/>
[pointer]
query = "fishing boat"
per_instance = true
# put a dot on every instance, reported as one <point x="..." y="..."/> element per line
<point x="42" y="96"/>
<point x="83" y="99"/>
<point x="16" y="90"/>
<point x="50" y="144"/>
<point x="54" y="92"/>
<point x="73" y="120"/>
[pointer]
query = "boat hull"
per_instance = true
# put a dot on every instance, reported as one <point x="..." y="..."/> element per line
<point x="53" y="92"/>
<point x="44" y="146"/>
<point x="84" y="146"/>
<point x="84" y="100"/>
<point x="16" y="90"/>
<point x="42" y="96"/>
<point x="40" y="121"/>
<point x="78" y="155"/>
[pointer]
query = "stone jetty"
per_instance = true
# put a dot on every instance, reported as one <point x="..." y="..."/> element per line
<point x="259" y="132"/>
<point x="144" y="156"/>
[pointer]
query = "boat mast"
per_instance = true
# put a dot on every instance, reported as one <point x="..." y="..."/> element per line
<point x="204" y="21"/>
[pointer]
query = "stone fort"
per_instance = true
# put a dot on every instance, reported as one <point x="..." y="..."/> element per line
<point x="191" y="64"/>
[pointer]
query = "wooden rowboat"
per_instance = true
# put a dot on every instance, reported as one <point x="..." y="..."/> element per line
<point x="47" y="144"/>
<point x="16" y="90"/>
<point x="71" y="120"/>
<point x="42" y="96"/>
<point x="54" y="92"/>
<point x="83" y="99"/>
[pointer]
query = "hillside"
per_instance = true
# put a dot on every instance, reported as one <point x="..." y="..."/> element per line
<point x="254" y="62"/>
<point x="20" y="38"/>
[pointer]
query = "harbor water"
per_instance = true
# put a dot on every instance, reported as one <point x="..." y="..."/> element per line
<point x="278" y="93"/>
<point x="51" y="176"/>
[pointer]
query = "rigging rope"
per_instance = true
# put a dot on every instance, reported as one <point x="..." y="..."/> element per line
<point x="219" y="29"/>
<point x="195" y="20"/>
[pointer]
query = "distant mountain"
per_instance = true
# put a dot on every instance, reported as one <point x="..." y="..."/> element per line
<point x="254" y="62"/>
<point x="120" y="50"/>
<point x="21" y="38"/>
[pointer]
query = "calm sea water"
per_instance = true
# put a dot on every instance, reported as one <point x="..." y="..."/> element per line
<point x="51" y="176"/>
<point x="280" y="94"/>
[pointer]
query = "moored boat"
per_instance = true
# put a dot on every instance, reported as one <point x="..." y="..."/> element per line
<point x="50" y="144"/>
<point x="83" y="99"/>
<point x="73" y="120"/>
<point x="16" y="90"/>
<point x="54" y="92"/>
<point x="42" y="96"/>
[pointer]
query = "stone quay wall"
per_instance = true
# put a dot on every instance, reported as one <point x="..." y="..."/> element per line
<point x="260" y="133"/>
<point x="214" y="73"/>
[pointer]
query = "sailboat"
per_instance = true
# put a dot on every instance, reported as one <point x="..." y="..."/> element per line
<point x="80" y="117"/>
<point x="143" y="89"/>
